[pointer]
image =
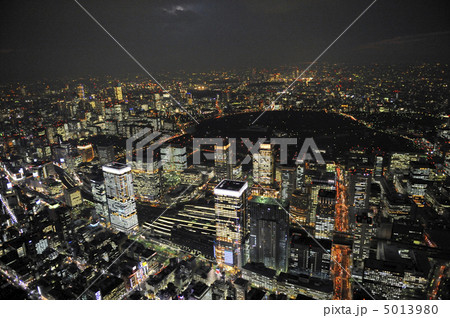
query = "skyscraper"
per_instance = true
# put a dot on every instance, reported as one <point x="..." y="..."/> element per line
<point x="300" y="176"/>
<point x="146" y="180"/>
<point x="80" y="91"/>
<point x="300" y="206"/>
<point x="378" y="166"/>
<point x="99" y="196"/>
<point x="264" y="165"/>
<point x="86" y="151"/>
<point x="174" y="158"/>
<point x="231" y="221"/>
<point x="120" y="196"/>
<point x="307" y="257"/>
<point x="118" y="92"/>
<point x="364" y="232"/>
<point x="325" y="214"/>
<point x="222" y="166"/>
<point x="359" y="188"/>
<point x="73" y="196"/>
<point x="269" y="229"/>
<point x="287" y="183"/>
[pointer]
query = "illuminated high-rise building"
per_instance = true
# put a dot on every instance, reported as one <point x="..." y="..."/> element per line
<point x="317" y="179"/>
<point x="73" y="197"/>
<point x="264" y="165"/>
<point x="120" y="196"/>
<point x="118" y="93"/>
<point x="147" y="180"/>
<point x="87" y="152"/>
<point x="99" y="196"/>
<point x="300" y="177"/>
<point x="364" y="232"/>
<point x="174" y="158"/>
<point x="359" y="188"/>
<point x="325" y="214"/>
<point x="80" y="91"/>
<point x="231" y="221"/>
<point x="222" y="165"/>
<point x="300" y="207"/>
<point x="308" y="257"/>
<point x="287" y="183"/>
<point x="378" y="173"/>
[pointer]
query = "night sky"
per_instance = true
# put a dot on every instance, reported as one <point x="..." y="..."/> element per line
<point x="46" y="39"/>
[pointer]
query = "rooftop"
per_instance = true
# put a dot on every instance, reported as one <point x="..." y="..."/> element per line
<point x="263" y="200"/>
<point x="230" y="188"/>
<point x="116" y="168"/>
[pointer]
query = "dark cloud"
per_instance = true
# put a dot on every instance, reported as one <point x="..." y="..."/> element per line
<point x="49" y="38"/>
<point x="420" y="39"/>
<point x="274" y="7"/>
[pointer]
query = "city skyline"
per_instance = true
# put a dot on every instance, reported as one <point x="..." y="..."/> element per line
<point x="212" y="150"/>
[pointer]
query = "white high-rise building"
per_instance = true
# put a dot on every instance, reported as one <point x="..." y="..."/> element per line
<point x="120" y="196"/>
<point x="264" y="165"/>
<point x="222" y="167"/>
<point x="231" y="222"/>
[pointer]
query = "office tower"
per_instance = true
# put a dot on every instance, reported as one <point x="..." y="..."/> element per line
<point x="378" y="173"/>
<point x="396" y="205"/>
<point x="50" y="133"/>
<point x="99" y="196"/>
<point x="398" y="271"/>
<point x="87" y="152"/>
<point x="118" y="113"/>
<point x="300" y="206"/>
<point x="118" y="93"/>
<point x="325" y="214"/>
<point x="174" y="158"/>
<point x="420" y="176"/>
<point x="231" y="221"/>
<point x="236" y="171"/>
<point x="106" y="154"/>
<point x="80" y="91"/>
<point x="383" y="279"/>
<point x="364" y="232"/>
<point x="300" y="178"/>
<point x="73" y="197"/>
<point x="317" y="179"/>
<point x="307" y="257"/>
<point x="146" y="180"/>
<point x="359" y="188"/>
<point x="400" y="162"/>
<point x="269" y="230"/>
<point x="288" y="181"/>
<point x="264" y="165"/>
<point x="222" y="162"/>
<point x="120" y="196"/>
